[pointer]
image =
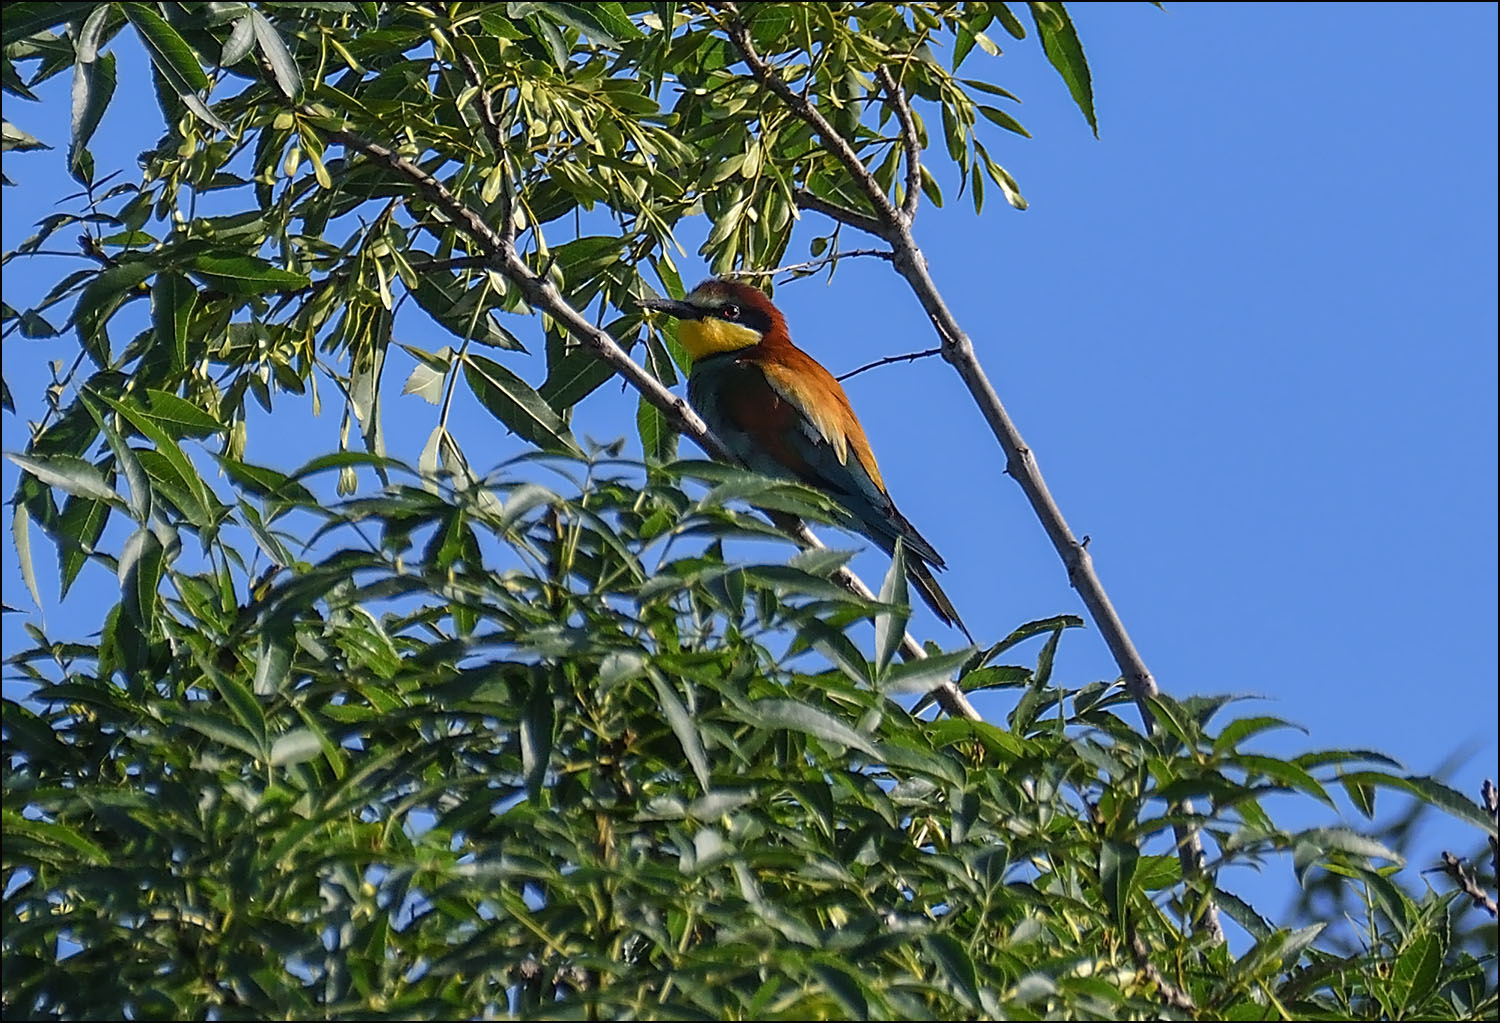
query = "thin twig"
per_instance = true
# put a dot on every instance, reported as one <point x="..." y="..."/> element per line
<point x="843" y="214"/>
<point x="909" y="140"/>
<point x="497" y="143"/>
<point x="890" y="359"/>
<point x="803" y="269"/>
<point x="889" y="225"/>
<point x="541" y="293"/>
<point x="1454" y="868"/>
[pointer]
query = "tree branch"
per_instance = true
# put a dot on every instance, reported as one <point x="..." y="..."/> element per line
<point x="863" y="221"/>
<point x="958" y="350"/>
<point x="1454" y="868"/>
<point x="889" y="359"/>
<point x="909" y="140"/>
<point x="739" y="34"/>
<point x="803" y="269"/>
<point x="541" y="293"/>
<point x="486" y="107"/>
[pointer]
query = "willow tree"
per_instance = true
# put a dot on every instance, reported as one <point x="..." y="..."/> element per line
<point x="487" y="734"/>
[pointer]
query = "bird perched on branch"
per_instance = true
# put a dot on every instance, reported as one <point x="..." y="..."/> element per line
<point x="783" y="414"/>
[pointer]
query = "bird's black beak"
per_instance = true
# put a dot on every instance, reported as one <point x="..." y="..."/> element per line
<point x="671" y="307"/>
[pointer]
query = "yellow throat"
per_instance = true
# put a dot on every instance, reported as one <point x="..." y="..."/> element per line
<point x="709" y="336"/>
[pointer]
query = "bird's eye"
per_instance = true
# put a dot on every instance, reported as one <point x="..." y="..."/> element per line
<point x="730" y="312"/>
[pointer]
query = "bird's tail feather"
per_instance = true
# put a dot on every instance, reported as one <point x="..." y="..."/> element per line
<point x="922" y="578"/>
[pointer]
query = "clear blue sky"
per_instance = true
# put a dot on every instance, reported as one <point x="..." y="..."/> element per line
<point x="1250" y="334"/>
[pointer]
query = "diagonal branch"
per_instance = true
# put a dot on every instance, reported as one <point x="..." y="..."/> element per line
<point x="863" y="221"/>
<point x="496" y="136"/>
<point x="909" y="140"/>
<point x="541" y="293"/>
<point x="958" y="350"/>
<point x="886" y="213"/>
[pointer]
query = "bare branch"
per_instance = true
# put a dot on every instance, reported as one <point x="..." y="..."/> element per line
<point x="909" y="140"/>
<point x="1454" y="868"/>
<point x="803" y="269"/>
<point x="891" y="226"/>
<point x="889" y="360"/>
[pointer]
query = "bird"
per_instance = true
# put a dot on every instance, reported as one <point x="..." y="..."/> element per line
<point x="782" y="414"/>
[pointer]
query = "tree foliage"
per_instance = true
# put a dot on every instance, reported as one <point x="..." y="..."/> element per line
<point x="368" y="739"/>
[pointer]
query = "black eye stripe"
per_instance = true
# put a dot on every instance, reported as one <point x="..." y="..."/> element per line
<point x="746" y="316"/>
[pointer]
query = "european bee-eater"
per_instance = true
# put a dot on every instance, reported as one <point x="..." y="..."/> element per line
<point x="783" y="414"/>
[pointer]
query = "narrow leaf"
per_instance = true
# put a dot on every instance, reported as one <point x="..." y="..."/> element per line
<point x="682" y="724"/>
<point x="1060" y="43"/>
<point x="516" y="404"/>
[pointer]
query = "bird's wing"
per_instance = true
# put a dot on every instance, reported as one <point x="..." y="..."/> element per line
<point x="796" y="412"/>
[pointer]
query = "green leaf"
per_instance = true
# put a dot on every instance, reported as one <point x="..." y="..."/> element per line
<point x="844" y="987"/>
<point x="179" y="417"/>
<point x="890" y="623"/>
<point x="54" y="834"/>
<point x="1414" y="974"/>
<point x="173" y="58"/>
<point x="12" y="137"/>
<point x="93" y="86"/>
<point x="141" y="562"/>
<point x="28" y="19"/>
<point x="536" y="736"/>
<point x="70" y="474"/>
<point x="425" y="382"/>
<point x="130" y="465"/>
<point x="20" y="527"/>
<point x="461" y="310"/>
<point x="687" y="732"/>
<point x="110" y="289"/>
<point x="240" y="274"/>
<point x="1242" y="728"/>
<point x="1003" y="119"/>
<point x="604" y="23"/>
<point x="1429" y="790"/>
<point x="1117" y="866"/>
<point x="516" y="404"/>
<point x="574" y="377"/>
<point x="283" y="67"/>
<point x="658" y="439"/>
<point x="1279" y="770"/>
<point x="1060" y="43"/>
<point x="1012" y="24"/>
<point x="200" y="502"/>
<point x="295" y="747"/>
<point x="172" y="299"/>
<point x="240" y="42"/>
<point x="955" y="966"/>
<point x="1313" y="845"/>
<point x="923" y="675"/>
<point x="802" y="718"/>
<point x="273" y="656"/>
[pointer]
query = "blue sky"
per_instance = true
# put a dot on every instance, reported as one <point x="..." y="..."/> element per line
<point x="1250" y="334"/>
